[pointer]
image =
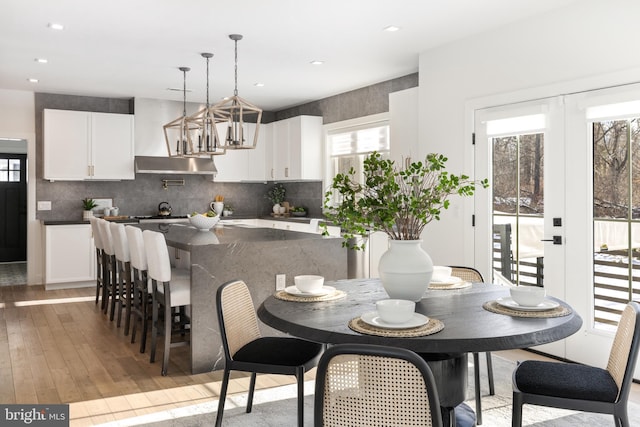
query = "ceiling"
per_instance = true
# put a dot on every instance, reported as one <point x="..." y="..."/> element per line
<point x="133" y="48"/>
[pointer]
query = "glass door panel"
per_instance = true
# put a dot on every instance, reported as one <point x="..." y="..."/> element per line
<point x="518" y="208"/>
<point x="616" y="214"/>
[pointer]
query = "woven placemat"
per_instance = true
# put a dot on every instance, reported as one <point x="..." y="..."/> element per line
<point x="494" y="307"/>
<point x="285" y="296"/>
<point x="432" y="326"/>
<point x="447" y="286"/>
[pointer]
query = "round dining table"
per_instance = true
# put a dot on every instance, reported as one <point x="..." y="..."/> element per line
<point x="468" y="326"/>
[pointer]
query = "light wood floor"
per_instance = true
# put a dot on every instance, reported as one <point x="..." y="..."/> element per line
<point x="58" y="347"/>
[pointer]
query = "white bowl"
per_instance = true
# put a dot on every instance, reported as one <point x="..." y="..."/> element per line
<point x="203" y="222"/>
<point x="527" y="296"/>
<point x="441" y="273"/>
<point x="395" y="310"/>
<point x="309" y="283"/>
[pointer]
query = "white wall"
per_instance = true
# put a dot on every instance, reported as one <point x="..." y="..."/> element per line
<point x="403" y="123"/>
<point x="17" y="120"/>
<point x="584" y="46"/>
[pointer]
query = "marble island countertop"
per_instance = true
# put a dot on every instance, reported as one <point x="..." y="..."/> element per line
<point x="228" y="219"/>
<point x="184" y="236"/>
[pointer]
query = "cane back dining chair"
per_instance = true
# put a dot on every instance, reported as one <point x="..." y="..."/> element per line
<point x="470" y="274"/>
<point x="245" y="349"/>
<point x="372" y="385"/>
<point x="579" y="387"/>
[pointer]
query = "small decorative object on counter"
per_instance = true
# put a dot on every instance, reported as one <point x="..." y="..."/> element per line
<point x="204" y="222"/>
<point x="298" y="211"/>
<point x="228" y="210"/>
<point x="88" y="205"/>
<point x="164" y="209"/>
<point x="276" y="195"/>
<point x="218" y="204"/>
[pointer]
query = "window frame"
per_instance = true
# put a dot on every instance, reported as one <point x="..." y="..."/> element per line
<point x="351" y="125"/>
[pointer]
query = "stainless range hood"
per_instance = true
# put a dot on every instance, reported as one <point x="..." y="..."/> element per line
<point x="175" y="165"/>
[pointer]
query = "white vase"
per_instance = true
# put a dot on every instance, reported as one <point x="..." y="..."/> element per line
<point x="405" y="270"/>
<point x="87" y="214"/>
<point x="276" y="208"/>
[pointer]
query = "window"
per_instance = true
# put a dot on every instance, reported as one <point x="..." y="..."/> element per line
<point x="10" y="170"/>
<point x="348" y="147"/>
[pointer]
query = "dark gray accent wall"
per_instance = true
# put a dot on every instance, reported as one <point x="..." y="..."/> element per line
<point x="361" y="102"/>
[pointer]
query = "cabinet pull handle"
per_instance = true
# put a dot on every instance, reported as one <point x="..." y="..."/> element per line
<point x="286" y="172"/>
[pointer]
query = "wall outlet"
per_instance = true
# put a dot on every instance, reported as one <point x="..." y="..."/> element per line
<point x="281" y="280"/>
<point x="44" y="205"/>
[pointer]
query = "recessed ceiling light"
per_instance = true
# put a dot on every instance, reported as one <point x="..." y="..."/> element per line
<point x="391" y="28"/>
<point x="317" y="62"/>
<point x="33" y="80"/>
<point x="41" y="60"/>
<point x="55" y="26"/>
<point x="258" y="84"/>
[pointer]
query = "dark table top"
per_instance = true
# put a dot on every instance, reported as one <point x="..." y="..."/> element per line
<point x="468" y="326"/>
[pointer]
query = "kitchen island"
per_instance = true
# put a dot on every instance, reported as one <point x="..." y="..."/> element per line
<point x="252" y="254"/>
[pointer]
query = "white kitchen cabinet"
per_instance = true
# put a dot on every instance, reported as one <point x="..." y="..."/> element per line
<point x="247" y="164"/>
<point x="70" y="254"/>
<point x="300" y="226"/>
<point x="297" y="149"/>
<point x="82" y="145"/>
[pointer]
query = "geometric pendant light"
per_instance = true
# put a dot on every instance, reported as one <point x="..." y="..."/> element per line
<point x="179" y="133"/>
<point x="237" y="134"/>
<point x="207" y="142"/>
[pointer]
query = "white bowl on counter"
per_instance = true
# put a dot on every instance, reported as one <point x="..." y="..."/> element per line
<point x="203" y="222"/>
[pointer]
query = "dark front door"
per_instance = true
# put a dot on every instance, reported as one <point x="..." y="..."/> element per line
<point x="13" y="207"/>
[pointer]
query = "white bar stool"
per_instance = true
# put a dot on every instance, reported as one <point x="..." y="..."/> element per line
<point x="100" y="284"/>
<point x="171" y="289"/>
<point x="110" y="272"/>
<point x="142" y="288"/>
<point x="123" y="262"/>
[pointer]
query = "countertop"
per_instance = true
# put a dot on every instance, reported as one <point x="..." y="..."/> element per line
<point x="185" y="236"/>
<point x="133" y="220"/>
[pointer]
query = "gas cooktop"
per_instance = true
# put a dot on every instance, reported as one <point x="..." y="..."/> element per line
<point x="160" y="216"/>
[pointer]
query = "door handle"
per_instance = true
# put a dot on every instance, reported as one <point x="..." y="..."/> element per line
<point x="557" y="240"/>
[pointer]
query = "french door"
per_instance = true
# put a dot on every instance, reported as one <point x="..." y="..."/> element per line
<point x="521" y="219"/>
<point x="564" y="207"/>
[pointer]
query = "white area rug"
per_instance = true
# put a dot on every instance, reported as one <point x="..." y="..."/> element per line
<point x="276" y="407"/>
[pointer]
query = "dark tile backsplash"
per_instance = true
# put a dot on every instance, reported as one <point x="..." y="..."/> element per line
<point x="143" y="195"/>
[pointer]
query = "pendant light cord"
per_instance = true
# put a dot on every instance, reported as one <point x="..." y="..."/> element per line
<point x="235" y="91"/>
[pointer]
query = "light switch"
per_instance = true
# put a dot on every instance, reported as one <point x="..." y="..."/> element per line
<point x="44" y="205"/>
<point x="280" y="281"/>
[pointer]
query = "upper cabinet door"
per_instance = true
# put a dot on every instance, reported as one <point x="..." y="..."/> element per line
<point x="112" y="147"/>
<point x="66" y="152"/>
<point x="81" y="145"/>
<point x="297" y="148"/>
